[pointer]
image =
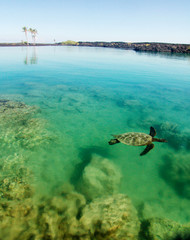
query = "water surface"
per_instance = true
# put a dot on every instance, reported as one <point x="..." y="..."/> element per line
<point x="82" y="96"/>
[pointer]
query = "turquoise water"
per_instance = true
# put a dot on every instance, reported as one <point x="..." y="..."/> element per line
<point x="83" y="95"/>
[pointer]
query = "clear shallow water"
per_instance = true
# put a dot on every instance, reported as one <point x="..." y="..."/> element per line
<point x="84" y="95"/>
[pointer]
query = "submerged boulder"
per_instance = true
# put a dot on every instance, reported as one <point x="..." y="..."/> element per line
<point x="111" y="218"/>
<point x="163" y="229"/>
<point x="54" y="218"/>
<point x="58" y="216"/>
<point x="100" y="178"/>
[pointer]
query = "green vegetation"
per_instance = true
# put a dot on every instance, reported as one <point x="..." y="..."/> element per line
<point x="25" y="30"/>
<point x="33" y="34"/>
<point x="70" y="43"/>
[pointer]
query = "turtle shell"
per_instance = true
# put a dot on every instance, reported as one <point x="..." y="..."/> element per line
<point x="134" y="138"/>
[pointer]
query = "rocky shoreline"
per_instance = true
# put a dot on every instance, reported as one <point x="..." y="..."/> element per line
<point x="145" y="47"/>
<point x="139" y="47"/>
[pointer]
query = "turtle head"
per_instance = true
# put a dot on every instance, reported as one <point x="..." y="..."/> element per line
<point x="113" y="141"/>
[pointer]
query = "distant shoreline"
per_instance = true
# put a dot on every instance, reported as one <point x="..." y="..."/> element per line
<point x="25" y="45"/>
<point x="139" y="47"/>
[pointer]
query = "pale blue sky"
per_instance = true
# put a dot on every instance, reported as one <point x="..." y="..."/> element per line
<point x="100" y="20"/>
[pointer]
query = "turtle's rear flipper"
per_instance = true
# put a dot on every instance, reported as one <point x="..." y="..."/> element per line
<point x="159" y="140"/>
<point x="147" y="149"/>
<point x="152" y="132"/>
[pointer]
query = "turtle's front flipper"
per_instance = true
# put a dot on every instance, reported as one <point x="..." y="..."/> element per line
<point x="147" y="149"/>
<point x="152" y="132"/>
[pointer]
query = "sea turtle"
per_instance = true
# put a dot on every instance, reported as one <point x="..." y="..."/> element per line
<point x="138" y="139"/>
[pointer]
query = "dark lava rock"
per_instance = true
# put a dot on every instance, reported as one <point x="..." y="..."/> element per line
<point x="145" y="46"/>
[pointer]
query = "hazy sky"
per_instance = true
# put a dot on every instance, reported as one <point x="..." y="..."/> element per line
<point x="100" y="20"/>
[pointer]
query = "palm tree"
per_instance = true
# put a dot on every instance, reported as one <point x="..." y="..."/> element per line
<point x="31" y="30"/>
<point x="34" y="35"/>
<point x="25" y="31"/>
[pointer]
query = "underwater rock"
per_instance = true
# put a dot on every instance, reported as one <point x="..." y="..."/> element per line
<point x="163" y="205"/>
<point x="34" y="134"/>
<point x="100" y="178"/>
<point x="163" y="229"/>
<point x="85" y="155"/>
<point x="53" y="218"/>
<point x="17" y="220"/>
<point x="20" y="126"/>
<point x="176" y="172"/>
<point x="14" y="178"/>
<point x="15" y="113"/>
<point x="14" y="189"/>
<point x="58" y="216"/>
<point x="17" y="210"/>
<point x="111" y="218"/>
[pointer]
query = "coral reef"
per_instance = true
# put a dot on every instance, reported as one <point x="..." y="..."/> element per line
<point x="20" y="126"/>
<point x="100" y="178"/>
<point x="176" y="172"/>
